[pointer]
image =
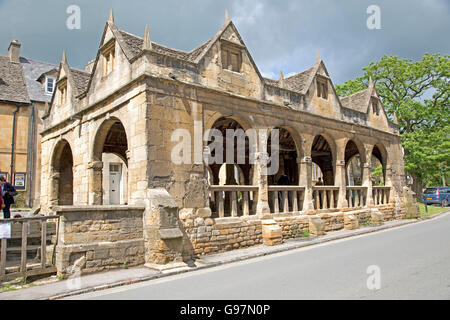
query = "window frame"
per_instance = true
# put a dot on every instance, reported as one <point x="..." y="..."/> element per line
<point x="53" y="86"/>
<point x="108" y="58"/>
<point x="322" y="87"/>
<point x="375" y="103"/>
<point x="62" y="88"/>
<point x="228" y="49"/>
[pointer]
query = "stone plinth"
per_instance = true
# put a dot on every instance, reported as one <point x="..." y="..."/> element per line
<point x="316" y="226"/>
<point x="271" y="232"/>
<point x="95" y="238"/>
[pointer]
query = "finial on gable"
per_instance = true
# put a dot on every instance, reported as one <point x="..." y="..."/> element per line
<point x="318" y="59"/>
<point x="147" y="45"/>
<point x="64" y="57"/>
<point x="227" y="19"/>
<point x="281" y="81"/>
<point x="395" y="118"/>
<point x="111" y="16"/>
<point x="371" y="82"/>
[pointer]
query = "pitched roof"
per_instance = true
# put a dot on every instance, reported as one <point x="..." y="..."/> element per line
<point x="12" y="82"/>
<point x="300" y="81"/>
<point x="33" y="70"/>
<point x="358" y="101"/>
<point x="134" y="44"/>
<point x="80" y="79"/>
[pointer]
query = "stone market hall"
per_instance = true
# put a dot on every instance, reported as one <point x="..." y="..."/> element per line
<point x="107" y="168"/>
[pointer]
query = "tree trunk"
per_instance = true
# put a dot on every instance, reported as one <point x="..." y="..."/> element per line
<point x="417" y="186"/>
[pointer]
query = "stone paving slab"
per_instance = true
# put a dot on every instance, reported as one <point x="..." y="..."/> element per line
<point x="120" y="277"/>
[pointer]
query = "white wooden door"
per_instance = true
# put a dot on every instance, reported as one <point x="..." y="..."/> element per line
<point x="115" y="175"/>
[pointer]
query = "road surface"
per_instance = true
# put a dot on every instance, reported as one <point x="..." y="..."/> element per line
<point x="409" y="262"/>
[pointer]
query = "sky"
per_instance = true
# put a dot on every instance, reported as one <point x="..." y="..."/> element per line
<point x="280" y="35"/>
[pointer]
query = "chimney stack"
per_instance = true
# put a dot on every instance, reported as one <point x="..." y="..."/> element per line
<point x="14" y="51"/>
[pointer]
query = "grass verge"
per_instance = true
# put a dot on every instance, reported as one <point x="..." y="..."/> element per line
<point x="432" y="210"/>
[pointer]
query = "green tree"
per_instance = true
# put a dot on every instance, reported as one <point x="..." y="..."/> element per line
<point x="418" y="93"/>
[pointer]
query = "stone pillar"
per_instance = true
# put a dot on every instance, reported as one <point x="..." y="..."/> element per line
<point x="162" y="234"/>
<point x="340" y="179"/>
<point x="366" y="174"/>
<point x="306" y="181"/>
<point x="367" y="182"/>
<point x="305" y="172"/>
<point x="388" y="183"/>
<point x="95" y="173"/>
<point x="54" y="189"/>
<point x="260" y="180"/>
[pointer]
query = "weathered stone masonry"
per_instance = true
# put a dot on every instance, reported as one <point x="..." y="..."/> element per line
<point x="132" y="97"/>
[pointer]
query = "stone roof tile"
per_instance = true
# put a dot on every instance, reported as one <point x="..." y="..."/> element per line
<point x="12" y="82"/>
<point x="357" y="101"/>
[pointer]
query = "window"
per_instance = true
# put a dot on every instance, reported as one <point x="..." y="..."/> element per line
<point x="49" y="85"/>
<point x="375" y="106"/>
<point x="108" y="59"/>
<point x="231" y="58"/>
<point x="114" y="168"/>
<point x="322" y="88"/>
<point x="62" y="88"/>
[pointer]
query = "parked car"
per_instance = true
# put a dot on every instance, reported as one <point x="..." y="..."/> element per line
<point x="437" y="195"/>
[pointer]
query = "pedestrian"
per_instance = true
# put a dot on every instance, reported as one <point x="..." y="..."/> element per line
<point x="8" y="193"/>
<point x="2" y="204"/>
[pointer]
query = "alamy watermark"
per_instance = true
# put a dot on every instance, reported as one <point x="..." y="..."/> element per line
<point x="374" y="280"/>
<point x="74" y="20"/>
<point x="374" y="20"/>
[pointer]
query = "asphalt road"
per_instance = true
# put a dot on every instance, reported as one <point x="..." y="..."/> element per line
<point x="413" y="263"/>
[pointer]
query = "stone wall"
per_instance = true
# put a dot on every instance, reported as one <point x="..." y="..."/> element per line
<point x="293" y="226"/>
<point x="388" y="212"/>
<point x="94" y="238"/>
<point x="207" y="235"/>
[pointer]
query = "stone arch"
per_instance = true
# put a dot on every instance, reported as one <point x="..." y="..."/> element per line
<point x="323" y="153"/>
<point x="61" y="172"/>
<point x="290" y="143"/>
<point x="110" y="138"/>
<point x="104" y="135"/>
<point x="243" y="120"/>
<point x="380" y="153"/>
<point x="354" y="158"/>
<point x="222" y="123"/>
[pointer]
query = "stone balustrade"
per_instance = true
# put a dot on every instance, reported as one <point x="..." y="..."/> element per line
<point x="356" y="196"/>
<point x="381" y="195"/>
<point x="232" y="200"/>
<point x="286" y="199"/>
<point x="325" y="197"/>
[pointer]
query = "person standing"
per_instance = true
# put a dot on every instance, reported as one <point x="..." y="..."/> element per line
<point x="8" y="193"/>
<point x="2" y="205"/>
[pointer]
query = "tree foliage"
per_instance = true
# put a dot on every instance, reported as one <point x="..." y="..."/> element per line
<point x="418" y="93"/>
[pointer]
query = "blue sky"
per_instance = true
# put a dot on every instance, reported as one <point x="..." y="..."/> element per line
<point x="281" y="35"/>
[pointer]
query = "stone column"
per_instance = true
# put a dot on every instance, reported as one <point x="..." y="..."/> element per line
<point x="306" y="181"/>
<point x="260" y="180"/>
<point x="366" y="173"/>
<point x="367" y="182"/>
<point x="340" y="174"/>
<point x="128" y="156"/>
<point x="54" y="189"/>
<point x="95" y="173"/>
<point x="305" y="172"/>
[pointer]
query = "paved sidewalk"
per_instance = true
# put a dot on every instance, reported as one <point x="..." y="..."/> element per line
<point x="119" y="277"/>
